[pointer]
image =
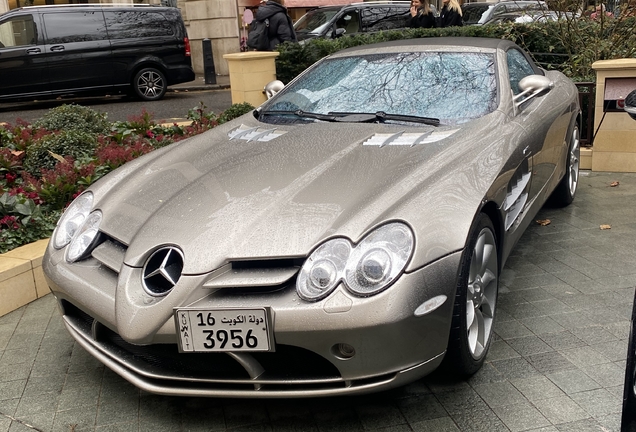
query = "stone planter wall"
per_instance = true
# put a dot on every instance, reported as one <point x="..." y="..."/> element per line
<point x="21" y="277"/>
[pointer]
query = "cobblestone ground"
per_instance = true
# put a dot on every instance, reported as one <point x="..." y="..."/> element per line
<point x="556" y="364"/>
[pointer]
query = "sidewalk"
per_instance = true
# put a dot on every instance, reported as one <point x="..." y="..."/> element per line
<point x="557" y="361"/>
<point x="222" y="83"/>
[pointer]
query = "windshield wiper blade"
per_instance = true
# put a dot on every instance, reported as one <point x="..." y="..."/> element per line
<point x="381" y="115"/>
<point x="317" y="116"/>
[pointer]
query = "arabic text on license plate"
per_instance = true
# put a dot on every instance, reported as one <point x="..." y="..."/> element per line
<point x="203" y="330"/>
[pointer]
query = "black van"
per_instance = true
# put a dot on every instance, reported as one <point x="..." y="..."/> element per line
<point x="335" y="21"/>
<point x="68" y="50"/>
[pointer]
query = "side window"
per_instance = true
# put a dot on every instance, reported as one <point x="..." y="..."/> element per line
<point x="384" y="18"/>
<point x="518" y="68"/>
<point x="74" y="27"/>
<point x="136" y="24"/>
<point x="18" y="31"/>
<point x="350" y="21"/>
<point x="499" y="9"/>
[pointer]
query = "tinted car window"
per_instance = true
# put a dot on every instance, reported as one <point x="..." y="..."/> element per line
<point x="314" y="21"/>
<point x="471" y="14"/>
<point x="350" y="21"/>
<point x="135" y="24"/>
<point x="518" y="68"/>
<point x="384" y="18"/>
<point x="454" y="87"/>
<point x="18" y="31"/>
<point x="74" y="27"/>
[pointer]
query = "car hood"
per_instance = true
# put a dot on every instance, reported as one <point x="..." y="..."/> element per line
<point x="250" y="190"/>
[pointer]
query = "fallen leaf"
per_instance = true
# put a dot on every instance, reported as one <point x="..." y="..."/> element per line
<point x="604" y="227"/>
<point x="614" y="184"/>
<point x="17" y="152"/>
<point x="57" y="157"/>
<point x="543" y="222"/>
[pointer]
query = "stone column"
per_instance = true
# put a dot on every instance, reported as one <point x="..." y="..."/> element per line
<point x="614" y="147"/>
<point x="216" y="20"/>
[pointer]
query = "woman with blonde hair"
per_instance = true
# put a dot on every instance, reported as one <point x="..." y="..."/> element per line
<point x="421" y="15"/>
<point x="451" y="14"/>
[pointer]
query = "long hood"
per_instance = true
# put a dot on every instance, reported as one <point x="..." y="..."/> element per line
<point x="248" y="190"/>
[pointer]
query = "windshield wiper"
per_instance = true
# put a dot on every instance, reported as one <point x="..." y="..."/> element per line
<point x="382" y="116"/>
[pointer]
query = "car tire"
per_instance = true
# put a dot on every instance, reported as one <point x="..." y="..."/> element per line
<point x="475" y="300"/>
<point x="150" y="84"/>
<point x="564" y="193"/>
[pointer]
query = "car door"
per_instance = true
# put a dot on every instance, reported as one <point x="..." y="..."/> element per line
<point x="77" y="50"/>
<point x="545" y="130"/>
<point x="23" y="66"/>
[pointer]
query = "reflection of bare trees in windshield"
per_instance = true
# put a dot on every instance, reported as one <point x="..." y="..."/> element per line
<point x="450" y="86"/>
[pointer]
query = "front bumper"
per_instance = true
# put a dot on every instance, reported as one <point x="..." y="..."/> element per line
<point x="393" y="346"/>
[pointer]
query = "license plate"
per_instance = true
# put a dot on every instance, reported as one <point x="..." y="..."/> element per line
<point x="223" y="330"/>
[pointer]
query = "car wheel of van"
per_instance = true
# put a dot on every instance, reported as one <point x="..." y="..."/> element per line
<point x="475" y="300"/>
<point x="150" y="84"/>
<point x="564" y="193"/>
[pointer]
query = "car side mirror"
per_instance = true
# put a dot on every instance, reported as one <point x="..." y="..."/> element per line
<point x="532" y="86"/>
<point x="273" y="87"/>
<point x="630" y="104"/>
<point x="339" y="32"/>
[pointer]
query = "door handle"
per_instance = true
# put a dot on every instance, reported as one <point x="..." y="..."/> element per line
<point x="526" y="151"/>
<point x="33" y="51"/>
<point x="57" y="48"/>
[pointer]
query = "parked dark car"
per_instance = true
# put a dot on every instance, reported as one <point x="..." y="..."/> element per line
<point x="479" y="13"/>
<point x="335" y="21"/>
<point x="68" y="50"/>
<point x="628" y="421"/>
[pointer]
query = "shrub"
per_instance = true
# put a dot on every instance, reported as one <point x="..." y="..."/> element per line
<point x="570" y="44"/>
<point x="74" y="117"/>
<point x="51" y="149"/>
<point x="236" y="110"/>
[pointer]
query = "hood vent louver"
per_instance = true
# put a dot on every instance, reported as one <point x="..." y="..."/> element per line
<point x="407" y="139"/>
<point x="254" y="133"/>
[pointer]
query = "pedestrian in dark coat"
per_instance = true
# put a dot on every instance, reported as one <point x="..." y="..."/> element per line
<point x="451" y="14"/>
<point x="421" y="15"/>
<point x="281" y="28"/>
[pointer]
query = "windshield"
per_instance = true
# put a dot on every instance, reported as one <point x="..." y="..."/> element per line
<point x="314" y="21"/>
<point x="453" y="87"/>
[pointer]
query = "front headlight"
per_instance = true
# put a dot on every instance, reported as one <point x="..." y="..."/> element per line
<point x="367" y="268"/>
<point x="72" y="220"/>
<point x="84" y="237"/>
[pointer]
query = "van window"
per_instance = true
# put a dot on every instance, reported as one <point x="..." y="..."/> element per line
<point x="18" y="31"/>
<point x="74" y="27"/>
<point x="136" y="24"/>
<point x="384" y="18"/>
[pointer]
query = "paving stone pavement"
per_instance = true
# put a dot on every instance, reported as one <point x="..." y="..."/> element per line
<point x="556" y="364"/>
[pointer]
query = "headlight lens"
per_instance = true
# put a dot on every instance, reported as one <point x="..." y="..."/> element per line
<point x="72" y="220"/>
<point x="84" y="237"/>
<point x="323" y="269"/>
<point x="366" y="268"/>
<point x="379" y="259"/>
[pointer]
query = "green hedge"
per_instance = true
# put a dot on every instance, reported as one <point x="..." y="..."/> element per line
<point x="568" y="45"/>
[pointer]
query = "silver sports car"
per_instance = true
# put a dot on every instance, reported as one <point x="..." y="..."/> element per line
<point x="345" y="237"/>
